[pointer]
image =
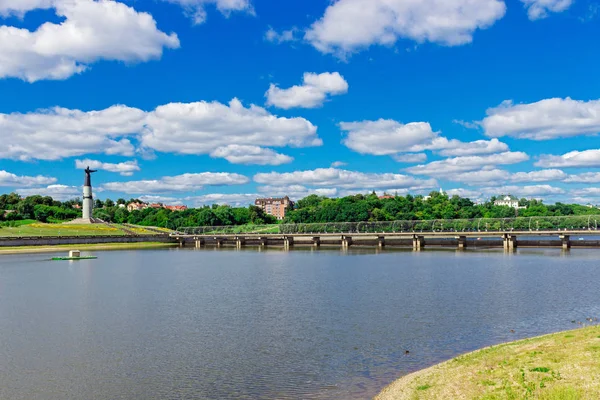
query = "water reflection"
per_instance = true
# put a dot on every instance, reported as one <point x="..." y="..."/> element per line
<point x="266" y="323"/>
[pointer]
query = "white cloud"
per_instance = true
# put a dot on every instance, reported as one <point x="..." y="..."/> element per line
<point x="450" y="166"/>
<point x="196" y="9"/>
<point x="537" y="9"/>
<point x="202" y="127"/>
<point x="337" y="164"/>
<point x="586" y="158"/>
<point x="187" y="128"/>
<point x="339" y="178"/>
<point x="350" y="25"/>
<point x="458" y="148"/>
<point x="543" y="120"/>
<point x="544" y="175"/>
<point x="285" y="36"/>
<point x="237" y="199"/>
<point x="126" y="168"/>
<point x="59" y="132"/>
<point x="389" y="137"/>
<point x="161" y="199"/>
<point x="237" y="154"/>
<point x="472" y="194"/>
<point x="10" y="179"/>
<point x="524" y="191"/>
<point x="410" y="157"/>
<point x="296" y="192"/>
<point x="57" y="192"/>
<point x="586" y="177"/>
<point x="492" y="176"/>
<point x="179" y="183"/>
<point x="91" y="31"/>
<point x="312" y="93"/>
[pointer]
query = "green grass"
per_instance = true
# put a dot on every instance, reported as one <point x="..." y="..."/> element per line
<point x="562" y="366"/>
<point x="39" y="229"/>
<point x="100" y="246"/>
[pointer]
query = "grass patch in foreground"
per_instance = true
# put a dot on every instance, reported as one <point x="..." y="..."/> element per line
<point x="552" y="367"/>
<point x="99" y="246"/>
<point x="40" y="229"/>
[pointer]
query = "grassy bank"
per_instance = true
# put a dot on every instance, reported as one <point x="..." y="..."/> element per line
<point x="100" y="246"/>
<point x="562" y="366"/>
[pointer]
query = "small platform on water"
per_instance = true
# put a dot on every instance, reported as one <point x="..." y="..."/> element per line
<point x="74" y="255"/>
<point x="74" y="258"/>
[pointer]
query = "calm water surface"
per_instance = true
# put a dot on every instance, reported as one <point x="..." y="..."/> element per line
<point x="186" y="324"/>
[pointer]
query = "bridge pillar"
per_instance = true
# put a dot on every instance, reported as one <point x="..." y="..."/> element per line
<point x="462" y="242"/>
<point x="288" y="242"/>
<point x="418" y="242"/>
<point x="316" y="241"/>
<point x="566" y="241"/>
<point x="240" y="242"/>
<point x="181" y="242"/>
<point x="380" y="242"/>
<point x="219" y="241"/>
<point x="199" y="242"/>
<point x="346" y="241"/>
<point x="510" y="242"/>
<point x="262" y="241"/>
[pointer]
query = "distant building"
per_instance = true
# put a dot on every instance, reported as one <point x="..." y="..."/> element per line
<point x="276" y="207"/>
<point x="386" y="196"/>
<point x="176" y="208"/>
<point x="155" y="205"/>
<point x="136" y="206"/>
<point x="508" y="200"/>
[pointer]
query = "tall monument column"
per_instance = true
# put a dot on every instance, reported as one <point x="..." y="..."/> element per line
<point x="88" y="200"/>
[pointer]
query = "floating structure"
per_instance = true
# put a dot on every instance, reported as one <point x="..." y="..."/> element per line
<point x="74" y="255"/>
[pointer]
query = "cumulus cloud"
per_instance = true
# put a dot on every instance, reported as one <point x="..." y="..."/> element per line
<point x="543" y="120"/>
<point x="525" y="191"/>
<point x="179" y="183"/>
<point x="586" y="158"/>
<point x="544" y="175"/>
<point x="350" y="25"/>
<point x="289" y="35"/>
<point x="337" y="164"/>
<point x="450" y="166"/>
<point x="91" y="31"/>
<point x="57" y="192"/>
<point x="296" y="192"/>
<point x="10" y="179"/>
<point x="410" y="157"/>
<point x="59" y="132"/>
<point x="312" y="93"/>
<point x="201" y="127"/>
<point x="389" y="137"/>
<point x="232" y="199"/>
<point x="339" y="178"/>
<point x="237" y="154"/>
<point x="196" y="9"/>
<point x="491" y="176"/>
<point x="184" y="128"/>
<point x="126" y="168"/>
<point x="161" y="199"/>
<point x="537" y="9"/>
<point x="586" y="177"/>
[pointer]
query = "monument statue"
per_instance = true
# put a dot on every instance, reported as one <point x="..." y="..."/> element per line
<point x="88" y="200"/>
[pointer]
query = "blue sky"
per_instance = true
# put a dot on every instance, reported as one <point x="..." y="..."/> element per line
<point x="201" y="101"/>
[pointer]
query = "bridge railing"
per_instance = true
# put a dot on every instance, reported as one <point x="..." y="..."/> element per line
<point x="518" y="224"/>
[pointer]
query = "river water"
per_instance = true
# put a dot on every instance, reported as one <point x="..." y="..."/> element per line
<point x="204" y="324"/>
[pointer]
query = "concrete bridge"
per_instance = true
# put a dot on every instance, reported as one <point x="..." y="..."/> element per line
<point x="509" y="240"/>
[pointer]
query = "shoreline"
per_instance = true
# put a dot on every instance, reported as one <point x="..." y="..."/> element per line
<point x="542" y="364"/>
<point x="98" y="246"/>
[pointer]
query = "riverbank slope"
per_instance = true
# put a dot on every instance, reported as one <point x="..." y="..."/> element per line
<point x="563" y="365"/>
<point x="99" y="246"/>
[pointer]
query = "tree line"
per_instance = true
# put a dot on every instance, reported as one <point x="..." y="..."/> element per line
<point x="311" y="209"/>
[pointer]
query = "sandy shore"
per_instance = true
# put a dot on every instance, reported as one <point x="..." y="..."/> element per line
<point x="100" y="246"/>
<point x="564" y="365"/>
